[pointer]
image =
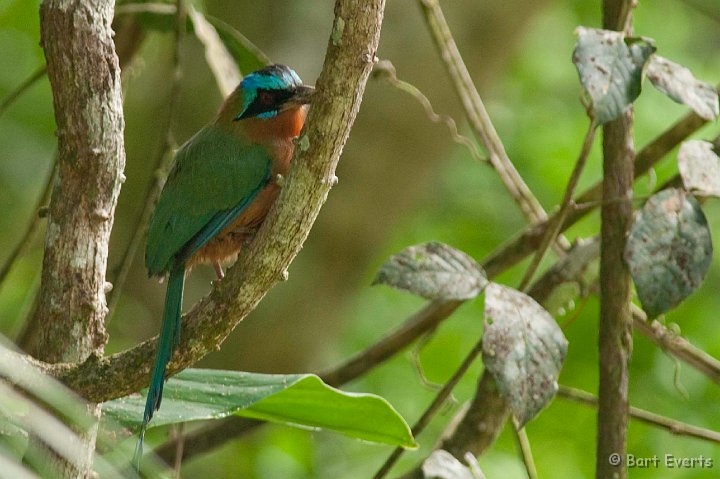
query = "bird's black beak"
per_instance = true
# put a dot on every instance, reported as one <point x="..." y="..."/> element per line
<point x="302" y="96"/>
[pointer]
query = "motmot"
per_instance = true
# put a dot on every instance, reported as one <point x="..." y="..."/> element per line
<point x="222" y="184"/>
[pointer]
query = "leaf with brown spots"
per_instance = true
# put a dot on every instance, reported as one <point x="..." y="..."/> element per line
<point x="523" y="348"/>
<point x="669" y="250"/>
<point x="679" y="84"/>
<point x="699" y="167"/>
<point x="434" y="271"/>
<point x="610" y="67"/>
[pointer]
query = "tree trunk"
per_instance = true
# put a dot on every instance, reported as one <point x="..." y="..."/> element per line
<point x="84" y="74"/>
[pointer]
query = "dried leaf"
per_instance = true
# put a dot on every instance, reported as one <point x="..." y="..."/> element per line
<point x="434" y="271"/>
<point x="222" y="64"/>
<point x="669" y="250"/>
<point x="523" y="348"/>
<point x="610" y="68"/>
<point x="246" y="54"/>
<point x="699" y="167"/>
<point x="678" y="83"/>
<point x="443" y="465"/>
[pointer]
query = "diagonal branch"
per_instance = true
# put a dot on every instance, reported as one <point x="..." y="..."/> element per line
<point x="433" y="408"/>
<point x="349" y="60"/>
<point x="26" y="239"/>
<point x="162" y="162"/>
<point x="529" y="239"/>
<point x="22" y="88"/>
<point x="478" y="115"/>
<point x="559" y="218"/>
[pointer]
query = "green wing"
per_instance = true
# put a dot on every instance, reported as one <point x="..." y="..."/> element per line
<point x="215" y="176"/>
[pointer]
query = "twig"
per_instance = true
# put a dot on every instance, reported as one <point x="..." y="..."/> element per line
<point x="179" y="445"/>
<point x="26" y="240"/>
<point x="558" y="219"/>
<point x="704" y="9"/>
<point x="416" y="325"/>
<point x="416" y="361"/>
<point x="433" y="408"/>
<point x="526" y="451"/>
<point x="674" y="426"/>
<point x="385" y="69"/>
<point x="134" y="8"/>
<point x="478" y="116"/>
<point x="528" y="240"/>
<point x="22" y="88"/>
<point x="676" y="345"/>
<point x="478" y="425"/>
<point x="208" y="438"/>
<point x="161" y="164"/>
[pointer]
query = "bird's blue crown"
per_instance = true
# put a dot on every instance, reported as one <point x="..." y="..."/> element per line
<point x="274" y="77"/>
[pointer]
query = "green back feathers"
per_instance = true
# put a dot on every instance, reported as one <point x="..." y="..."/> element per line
<point x="214" y="171"/>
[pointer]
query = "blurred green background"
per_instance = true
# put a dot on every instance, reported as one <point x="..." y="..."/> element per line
<point x="402" y="182"/>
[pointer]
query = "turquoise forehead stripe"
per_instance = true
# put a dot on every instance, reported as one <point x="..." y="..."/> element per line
<point x="259" y="81"/>
<point x="285" y="79"/>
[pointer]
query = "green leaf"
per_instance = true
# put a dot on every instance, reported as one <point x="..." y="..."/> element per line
<point x="678" y="83"/>
<point x="434" y="271"/>
<point x="610" y="67"/>
<point x="523" y="348"/>
<point x="699" y="167"/>
<point x="669" y="250"/>
<point x="161" y="17"/>
<point x="296" y="399"/>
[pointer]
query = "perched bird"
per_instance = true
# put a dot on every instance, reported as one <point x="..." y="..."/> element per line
<point x="217" y="194"/>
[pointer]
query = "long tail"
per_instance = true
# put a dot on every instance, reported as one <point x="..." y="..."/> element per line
<point x="169" y="340"/>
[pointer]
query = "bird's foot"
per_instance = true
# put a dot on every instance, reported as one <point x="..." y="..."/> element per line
<point x="218" y="270"/>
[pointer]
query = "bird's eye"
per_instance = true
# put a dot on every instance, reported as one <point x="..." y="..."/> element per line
<point x="265" y="98"/>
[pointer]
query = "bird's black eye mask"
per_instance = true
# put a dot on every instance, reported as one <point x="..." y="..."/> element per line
<point x="266" y="104"/>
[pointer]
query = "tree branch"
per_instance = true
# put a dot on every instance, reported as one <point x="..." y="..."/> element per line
<point x="26" y="239"/>
<point x="22" y="88"/>
<point x="164" y="156"/>
<point x="675" y="427"/>
<point x="434" y="407"/>
<point x="529" y="239"/>
<point x="85" y="78"/>
<point x="478" y="115"/>
<point x="615" y="328"/>
<point x="84" y="75"/>
<point x="559" y="218"/>
<point x="349" y="60"/>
